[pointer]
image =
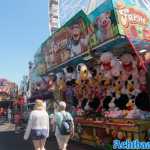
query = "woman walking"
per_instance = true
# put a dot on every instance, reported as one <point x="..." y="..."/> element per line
<point x="38" y="126"/>
<point x="63" y="139"/>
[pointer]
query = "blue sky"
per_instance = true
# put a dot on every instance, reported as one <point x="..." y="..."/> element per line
<point x="23" y="27"/>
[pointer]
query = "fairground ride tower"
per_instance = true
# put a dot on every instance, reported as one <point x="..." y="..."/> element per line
<point x="53" y="12"/>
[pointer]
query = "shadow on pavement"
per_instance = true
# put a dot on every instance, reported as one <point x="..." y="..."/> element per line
<point x="12" y="141"/>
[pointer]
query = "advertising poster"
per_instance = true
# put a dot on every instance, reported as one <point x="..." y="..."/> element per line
<point x="104" y="22"/>
<point x="134" y="18"/>
<point x="69" y="41"/>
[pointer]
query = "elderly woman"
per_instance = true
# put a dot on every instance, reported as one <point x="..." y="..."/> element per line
<point x="38" y="126"/>
<point x="62" y="140"/>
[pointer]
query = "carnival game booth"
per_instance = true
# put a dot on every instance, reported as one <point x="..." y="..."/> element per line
<point x="95" y="65"/>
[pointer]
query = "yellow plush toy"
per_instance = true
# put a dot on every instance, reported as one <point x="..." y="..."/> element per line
<point x="84" y="72"/>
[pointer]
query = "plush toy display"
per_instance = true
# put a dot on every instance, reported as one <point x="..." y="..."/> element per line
<point x="61" y="85"/>
<point x="116" y="68"/>
<point x="52" y="82"/>
<point x="69" y="74"/>
<point x="106" y="61"/>
<point x="115" y="106"/>
<point x="106" y="86"/>
<point x="61" y="82"/>
<point x="82" y="72"/>
<point x="131" y="88"/>
<point x="132" y="111"/>
<point x="129" y="67"/>
<point x="114" y="86"/>
<point x="117" y="87"/>
<point x="122" y="101"/>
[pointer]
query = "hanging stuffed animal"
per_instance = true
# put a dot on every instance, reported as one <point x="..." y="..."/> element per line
<point x="132" y="111"/>
<point x="117" y="87"/>
<point x="130" y="87"/>
<point x="121" y="104"/>
<point x="60" y="81"/>
<point x="106" y="84"/>
<point x="117" y="84"/>
<point x="82" y="72"/>
<point x="116" y="68"/>
<point x="61" y="85"/>
<point x="95" y="80"/>
<point x="52" y="78"/>
<point x="69" y="75"/>
<point x="129" y="67"/>
<point x="106" y="61"/>
<point x="112" y="110"/>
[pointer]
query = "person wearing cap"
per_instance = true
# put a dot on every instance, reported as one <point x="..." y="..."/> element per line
<point x="62" y="140"/>
<point x="38" y="126"/>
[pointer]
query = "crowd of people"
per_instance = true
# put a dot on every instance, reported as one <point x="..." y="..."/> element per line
<point x="40" y="123"/>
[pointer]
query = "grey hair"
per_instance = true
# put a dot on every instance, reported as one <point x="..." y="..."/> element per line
<point x="62" y="105"/>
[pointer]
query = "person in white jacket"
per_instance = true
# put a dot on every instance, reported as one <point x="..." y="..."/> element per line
<point x="38" y="126"/>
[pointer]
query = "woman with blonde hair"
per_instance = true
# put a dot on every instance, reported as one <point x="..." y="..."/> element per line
<point x="38" y="126"/>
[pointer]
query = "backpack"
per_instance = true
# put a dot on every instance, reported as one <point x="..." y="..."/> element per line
<point x="66" y="126"/>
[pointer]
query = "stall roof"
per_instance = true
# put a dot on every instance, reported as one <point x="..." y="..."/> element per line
<point x="141" y="44"/>
<point x="117" y="45"/>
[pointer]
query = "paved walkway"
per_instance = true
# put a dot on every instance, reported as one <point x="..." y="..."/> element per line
<point x="7" y="127"/>
<point x="11" y="141"/>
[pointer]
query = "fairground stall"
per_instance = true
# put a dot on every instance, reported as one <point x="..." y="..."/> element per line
<point x="8" y="94"/>
<point x="99" y="65"/>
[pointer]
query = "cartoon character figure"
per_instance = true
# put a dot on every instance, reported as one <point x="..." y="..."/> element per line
<point x="110" y="108"/>
<point x="103" y="23"/>
<point x="130" y="87"/>
<point x="77" y="44"/>
<point x="82" y="72"/>
<point x="69" y="75"/>
<point x="132" y="111"/>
